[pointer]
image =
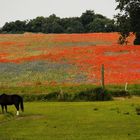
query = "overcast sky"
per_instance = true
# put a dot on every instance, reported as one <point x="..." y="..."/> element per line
<point x="11" y="10"/>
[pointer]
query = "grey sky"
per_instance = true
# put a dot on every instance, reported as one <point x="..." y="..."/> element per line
<point x="11" y="10"/>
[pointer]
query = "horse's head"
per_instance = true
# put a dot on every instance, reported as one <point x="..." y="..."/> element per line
<point x="2" y="95"/>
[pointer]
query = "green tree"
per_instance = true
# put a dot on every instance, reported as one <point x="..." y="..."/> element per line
<point x="128" y="19"/>
<point x="14" y="27"/>
<point x="98" y="25"/>
<point x="87" y="18"/>
<point x="72" y="25"/>
<point x="101" y="24"/>
<point x="36" y="25"/>
<point x="52" y="25"/>
<point x="87" y="22"/>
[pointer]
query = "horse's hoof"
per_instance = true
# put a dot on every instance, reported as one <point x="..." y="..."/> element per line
<point x="17" y="113"/>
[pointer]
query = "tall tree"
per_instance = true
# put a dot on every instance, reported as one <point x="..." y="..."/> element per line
<point x="87" y="22"/>
<point x="14" y="27"/>
<point x="86" y="18"/>
<point x="101" y="25"/>
<point x="129" y="19"/>
<point x="35" y="25"/>
<point x="72" y="25"/>
<point x="52" y="25"/>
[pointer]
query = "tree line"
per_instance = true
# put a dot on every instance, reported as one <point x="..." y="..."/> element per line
<point x="88" y="22"/>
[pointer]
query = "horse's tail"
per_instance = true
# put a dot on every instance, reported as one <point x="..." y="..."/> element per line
<point x="21" y="105"/>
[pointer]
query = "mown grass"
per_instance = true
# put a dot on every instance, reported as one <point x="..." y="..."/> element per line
<point x="113" y="120"/>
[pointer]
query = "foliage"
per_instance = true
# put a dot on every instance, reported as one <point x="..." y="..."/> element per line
<point x="14" y="27"/>
<point x="35" y="25"/>
<point x="54" y="24"/>
<point x="96" y="94"/>
<point x="137" y="40"/>
<point x="71" y="93"/>
<point x="138" y="110"/>
<point x="87" y="18"/>
<point x="101" y="25"/>
<point x="74" y="26"/>
<point x="129" y="18"/>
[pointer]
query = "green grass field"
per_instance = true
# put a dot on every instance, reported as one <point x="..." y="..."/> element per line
<point x="113" y="120"/>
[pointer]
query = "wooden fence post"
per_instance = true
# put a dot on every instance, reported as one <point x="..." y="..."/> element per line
<point x="126" y="86"/>
<point x="102" y="76"/>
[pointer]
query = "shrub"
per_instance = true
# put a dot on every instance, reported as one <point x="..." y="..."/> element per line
<point x="65" y="97"/>
<point x="97" y="94"/>
<point x="138" y="110"/>
<point x="120" y="93"/>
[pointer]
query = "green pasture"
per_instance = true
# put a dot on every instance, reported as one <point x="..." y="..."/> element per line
<point x="112" y="120"/>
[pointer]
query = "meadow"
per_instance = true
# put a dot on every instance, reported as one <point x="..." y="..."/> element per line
<point x="51" y="59"/>
<point x="113" y="120"/>
<point x="41" y="67"/>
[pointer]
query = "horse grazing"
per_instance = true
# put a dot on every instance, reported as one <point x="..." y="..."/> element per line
<point x="11" y="100"/>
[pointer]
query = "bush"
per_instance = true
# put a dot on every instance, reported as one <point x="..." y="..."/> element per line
<point x="65" y="97"/>
<point x="138" y="110"/>
<point x="41" y="97"/>
<point x="97" y="94"/>
<point x="120" y="93"/>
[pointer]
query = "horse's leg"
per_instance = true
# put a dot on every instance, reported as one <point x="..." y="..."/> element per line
<point x="6" y="108"/>
<point x="17" y="107"/>
<point x="2" y="106"/>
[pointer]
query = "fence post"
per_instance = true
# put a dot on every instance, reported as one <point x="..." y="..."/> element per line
<point x="102" y="76"/>
<point x="126" y="86"/>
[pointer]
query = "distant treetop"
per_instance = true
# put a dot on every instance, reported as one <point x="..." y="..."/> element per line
<point x="128" y="20"/>
<point x="87" y="22"/>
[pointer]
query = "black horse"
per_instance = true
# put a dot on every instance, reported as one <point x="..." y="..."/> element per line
<point x="11" y="100"/>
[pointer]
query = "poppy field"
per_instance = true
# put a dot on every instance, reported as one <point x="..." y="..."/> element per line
<point x="50" y="59"/>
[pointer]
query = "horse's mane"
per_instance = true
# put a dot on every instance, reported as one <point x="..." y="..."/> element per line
<point x="2" y="94"/>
